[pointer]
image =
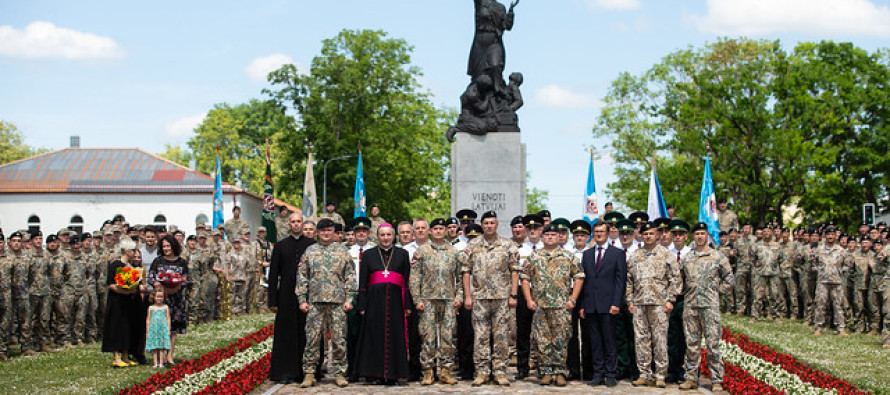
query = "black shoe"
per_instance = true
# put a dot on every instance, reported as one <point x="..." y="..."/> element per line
<point x="522" y="374"/>
<point x="596" y="381"/>
<point x="611" y="382"/>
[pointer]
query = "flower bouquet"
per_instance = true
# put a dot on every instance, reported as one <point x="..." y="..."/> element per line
<point x="127" y="277"/>
<point x="170" y="278"/>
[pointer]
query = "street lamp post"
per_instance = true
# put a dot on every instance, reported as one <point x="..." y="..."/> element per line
<point x="325" y="182"/>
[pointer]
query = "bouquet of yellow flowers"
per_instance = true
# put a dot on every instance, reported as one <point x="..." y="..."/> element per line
<point x="127" y="277"/>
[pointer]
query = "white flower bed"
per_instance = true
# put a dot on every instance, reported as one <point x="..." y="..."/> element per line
<point x="195" y="382"/>
<point x="772" y="375"/>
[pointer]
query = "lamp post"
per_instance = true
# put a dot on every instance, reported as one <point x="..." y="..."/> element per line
<point x="325" y="182"/>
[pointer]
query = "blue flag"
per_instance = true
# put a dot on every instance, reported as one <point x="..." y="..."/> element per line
<point x="591" y="211"/>
<point x="707" y="209"/>
<point x="218" y="197"/>
<point x="656" y="207"/>
<point x="360" y="202"/>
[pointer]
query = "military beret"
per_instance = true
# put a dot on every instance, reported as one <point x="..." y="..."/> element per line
<point x="721" y="200"/>
<point x="613" y="217"/>
<point x="15" y="235"/>
<point x="438" y="222"/>
<point x="473" y="230"/>
<point x="51" y="238"/>
<point x="561" y="223"/>
<point x="544" y="213"/>
<point x="679" y="225"/>
<point x="118" y="218"/>
<point x="338" y="227"/>
<point x="638" y="217"/>
<point x="551" y="227"/>
<point x="35" y="233"/>
<point x="532" y="220"/>
<point x="662" y="222"/>
<point x="878" y="241"/>
<point x="517" y="220"/>
<point x="723" y="233"/>
<point x="86" y="235"/>
<point x="489" y="214"/>
<point x="882" y="223"/>
<point x="348" y="228"/>
<point x="580" y="226"/>
<point x="191" y="237"/>
<point x="361" y="223"/>
<point x="625" y="225"/>
<point x="324" y="223"/>
<point x="644" y="226"/>
<point x="830" y="228"/>
<point x="452" y="221"/>
<point x="699" y="226"/>
<point x="261" y="229"/>
<point x="467" y="215"/>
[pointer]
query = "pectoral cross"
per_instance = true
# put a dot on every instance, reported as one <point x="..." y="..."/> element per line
<point x="386" y="273"/>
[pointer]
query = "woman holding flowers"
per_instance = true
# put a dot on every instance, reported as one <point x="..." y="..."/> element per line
<point x="170" y="271"/>
<point x="123" y="329"/>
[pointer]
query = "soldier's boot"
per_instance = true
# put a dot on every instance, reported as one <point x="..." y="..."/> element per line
<point x="446" y="378"/>
<point x="560" y="380"/>
<point x="717" y="388"/>
<point x="45" y="348"/>
<point x="688" y="385"/>
<point x="3" y="356"/>
<point x="843" y="333"/>
<point x="481" y="379"/>
<point x="502" y="380"/>
<point x="28" y="353"/>
<point x="642" y="381"/>
<point x="817" y="333"/>
<point x="65" y="345"/>
<point x="546" y="379"/>
<point x="308" y="380"/>
<point x="660" y="384"/>
<point x="427" y="377"/>
<point x="341" y="381"/>
<point x="886" y="345"/>
<point x="873" y="332"/>
<point x="513" y="360"/>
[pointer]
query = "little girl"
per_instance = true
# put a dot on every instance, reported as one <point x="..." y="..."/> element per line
<point x="157" y="327"/>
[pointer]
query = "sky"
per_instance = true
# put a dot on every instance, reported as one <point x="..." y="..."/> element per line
<point x="144" y="74"/>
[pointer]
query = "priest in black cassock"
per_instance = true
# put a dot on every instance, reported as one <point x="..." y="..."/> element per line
<point x="383" y="302"/>
<point x="290" y="331"/>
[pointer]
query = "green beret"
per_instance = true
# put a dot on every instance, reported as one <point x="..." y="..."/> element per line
<point x="625" y="225"/>
<point x="678" y="225"/>
<point x="613" y="217"/>
<point x="561" y="223"/>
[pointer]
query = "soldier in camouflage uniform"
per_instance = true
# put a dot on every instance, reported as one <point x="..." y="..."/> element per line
<point x="6" y="313"/>
<point x="490" y="271"/>
<point x="237" y="262"/>
<point x="876" y="290"/>
<point x="708" y="274"/>
<point x="20" y="260"/>
<point x="788" y="259"/>
<point x="60" y="304"/>
<point x="282" y="230"/>
<point x="860" y="263"/>
<point x="219" y="249"/>
<point x="110" y="252"/>
<point x="234" y="225"/>
<point x="653" y="283"/>
<point x="209" y="282"/>
<point x="91" y="262"/>
<point x="556" y="277"/>
<point x="434" y="288"/>
<point x="325" y="288"/>
<point x="743" y="270"/>
<point x="830" y="263"/>
<point x="39" y="292"/>
<point x="262" y="251"/>
<point x="191" y="290"/>
<point x="74" y="273"/>
<point x="727" y="248"/>
<point x="765" y="256"/>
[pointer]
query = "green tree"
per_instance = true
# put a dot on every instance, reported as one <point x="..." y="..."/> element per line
<point x="175" y="153"/>
<point x="362" y="91"/>
<point x="12" y="144"/>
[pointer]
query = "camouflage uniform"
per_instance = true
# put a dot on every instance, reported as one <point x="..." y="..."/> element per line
<point x="91" y="305"/>
<point x="21" y="297"/>
<point x="767" y="300"/>
<point x="233" y="228"/>
<point x="653" y="279"/>
<point x="223" y="300"/>
<point x="326" y="281"/>
<point x="808" y="281"/>
<point x="60" y="304"/>
<point x="708" y="274"/>
<point x="742" y="274"/>
<point x="237" y="263"/>
<point x="337" y="218"/>
<point x="209" y="283"/>
<point x="877" y="295"/>
<point x="39" y="292"/>
<point x="787" y="286"/>
<point x="727" y="220"/>
<point x="434" y="282"/>
<point x="727" y="299"/>
<point x="262" y="251"/>
<point x="884" y="264"/>
<point x="75" y="284"/>
<point x="551" y="276"/>
<point x="6" y="269"/>
<point x="282" y="227"/>
<point x="860" y="264"/>
<point x="830" y="263"/>
<point x="490" y="266"/>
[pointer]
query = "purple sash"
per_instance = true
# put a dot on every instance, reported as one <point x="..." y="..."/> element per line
<point x="398" y="280"/>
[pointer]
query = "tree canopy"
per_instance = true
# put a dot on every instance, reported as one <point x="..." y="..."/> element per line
<point x="12" y="144"/>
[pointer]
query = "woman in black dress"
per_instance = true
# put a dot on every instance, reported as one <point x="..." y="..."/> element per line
<point x="382" y="351"/>
<point x="171" y="261"/>
<point x="123" y="306"/>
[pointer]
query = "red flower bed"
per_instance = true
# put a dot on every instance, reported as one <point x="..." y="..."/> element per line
<point x="789" y="363"/>
<point x="736" y="381"/>
<point x="242" y="381"/>
<point x="164" y="379"/>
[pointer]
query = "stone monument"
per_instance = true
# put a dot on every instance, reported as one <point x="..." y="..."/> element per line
<point x="488" y="159"/>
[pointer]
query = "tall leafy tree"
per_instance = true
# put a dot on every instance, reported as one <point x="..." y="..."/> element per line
<point x="12" y="144"/>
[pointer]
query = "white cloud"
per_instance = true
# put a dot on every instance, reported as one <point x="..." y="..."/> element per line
<point x="754" y="17"/>
<point x="259" y="68"/>
<point x="46" y="40"/>
<point x="553" y="96"/>
<point x="183" y="127"/>
<point x="613" y="4"/>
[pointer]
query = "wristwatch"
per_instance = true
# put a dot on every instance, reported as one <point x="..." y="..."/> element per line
<point x="514" y="296"/>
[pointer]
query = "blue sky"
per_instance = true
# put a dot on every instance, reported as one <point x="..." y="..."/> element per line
<point x="142" y="74"/>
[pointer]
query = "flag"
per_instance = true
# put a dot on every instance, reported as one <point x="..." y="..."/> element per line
<point x="269" y="201"/>
<point x="310" y="204"/>
<point x="591" y="211"/>
<point x="360" y="203"/>
<point x="656" y="207"/>
<point x="218" y="197"/>
<point x="707" y="209"/>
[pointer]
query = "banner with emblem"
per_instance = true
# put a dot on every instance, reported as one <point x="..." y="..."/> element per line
<point x="218" y="218"/>
<point x="310" y="204"/>
<point x="707" y="209"/>
<point x="360" y="198"/>
<point x="269" y="201"/>
<point x="591" y="210"/>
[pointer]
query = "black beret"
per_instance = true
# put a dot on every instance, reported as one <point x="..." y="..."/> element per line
<point x="829" y="228"/>
<point x="51" y="238"/>
<point x="701" y="226"/>
<point x="338" y="227"/>
<point x="16" y="234"/>
<point x="467" y="215"/>
<point x="580" y="226"/>
<point x="533" y="220"/>
<point x="721" y="200"/>
<point x="452" y="221"/>
<point x="625" y="225"/>
<point x="489" y="214"/>
<point x="191" y="237"/>
<point x="613" y="217"/>
<point x="638" y="217"/>
<point x="36" y="233"/>
<point x="544" y="213"/>
<point x="647" y="226"/>
<point x="517" y="220"/>
<point x="473" y="230"/>
<point x="324" y="223"/>
<point x="551" y="227"/>
<point x="438" y="222"/>
<point x="361" y="223"/>
<point x="679" y="225"/>
<point x="661" y="222"/>
<point x="86" y="235"/>
<point x="723" y="233"/>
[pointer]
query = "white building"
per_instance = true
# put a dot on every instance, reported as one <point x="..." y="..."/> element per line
<point x="83" y="187"/>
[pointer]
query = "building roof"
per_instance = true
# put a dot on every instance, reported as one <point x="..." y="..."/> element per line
<point x="103" y="170"/>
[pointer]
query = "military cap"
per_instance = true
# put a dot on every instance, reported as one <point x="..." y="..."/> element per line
<point x="51" y="238"/>
<point x="216" y="232"/>
<point x="361" y="223"/>
<point x="638" y="217"/>
<point x="26" y="236"/>
<point x="517" y="220"/>
<point x="64" y="231"/>
<point x="466" y="215"/>
<point x="561" y="223"/>
<point x="580" y="226"/>
<point x="473" y="230"/>
<point x="117" y="229"/>
<point x="662" y="223"/>
<point x="235" y="240"/>
<point x="245" y="230"/>
<point x="644" y="226"/>
<point x="97" y="233"/>
<point x="173" y="228"/>
<point x="489" y="214"/>
<point x="220" y="226"/>
<point x="721" y="200"/>
<point x="108" y="231"/>
<point x="200" y="224"/>
<point x="438" y="222"/>
<point x="544" y="214"/>
<point x="625" y="225"/>
<point x="698" y="226"/>
<point x="452" y="221"/>
<point x="723" y="233"/>
<point x="261" y="229"/>
<point x="882" y="223"/>
<point x="324" y="223"/>
<point x="16" y="234"/>
<point x="551" y="227"/>
<point x="679" y="225"/>
<point x="203" y="234"/>
<point x="532" y="220"/>
<point x="118" y="218"/>
<point x="613" y="217"/>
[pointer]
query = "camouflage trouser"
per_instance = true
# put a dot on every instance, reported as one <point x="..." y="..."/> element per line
<point x="41" y="309"/>
<point x="835" y="292"/>
<point x="810" y="290"/>
<point x="250" y="305"/>
<point x="22" y="322"/>
<point x="61" y="311"/>
<point x="262" y="296"/>
<point x="859" y="321"/>
<point x="491" y="318"/>
<point x="225" y="306"/>
<point x="74" y="322"/>
<point x="5" y="322"/>
<point x="742" y="283"/>
<point x="206" y="307"/>
<point x="192" y="298"/>
<point x="787" y="287"/>
<point x="552" y="327"/>
<point x="324" y="316"/>
<point x="90" y="319"/>
<point x="698" y="323"/>
<point x="101" y="301"/>
<point x="437" y="321"/>
<point x="650" y="334"/>
<point x="885" y="335"/>
<point x="238" y="290"/>
<point x="767" y="300"/>
<point x="727" y="302"/>
<point x="876" y="298"/>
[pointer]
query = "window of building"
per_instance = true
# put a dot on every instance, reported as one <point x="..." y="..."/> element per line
<point x="33" y="224"/>
<point x="76" y="224"/>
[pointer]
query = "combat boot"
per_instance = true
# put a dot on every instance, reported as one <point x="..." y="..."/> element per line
<point x="560" y="380"/>
<point x="642" y="381"/>
<point x="886" y="345"/>
<point x="688" y="385"/>
<point x="843" y="333"/>
<point x="3" y="356"/>
<point x="817" y="333"/>
<point x="427" y="377"/>
<point x="308" y="380"/>
<point x="341" y="381"/>
<point x="28" y="353"/>
<point x="502" y="380"/>
<point x="717" y="388"/>
<point x="445" y="377"/>
<point x="546" y="379"/>
<point x="660" y="384"/>
<point x="45" y="348"/>
<point x="481" y="379"/>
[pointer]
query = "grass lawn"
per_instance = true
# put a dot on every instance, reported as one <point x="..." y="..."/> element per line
<point x="86" y="370"/>
<point x="858" y="358"/>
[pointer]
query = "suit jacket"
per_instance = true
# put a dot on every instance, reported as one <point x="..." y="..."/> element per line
<point x="604" y="286"/>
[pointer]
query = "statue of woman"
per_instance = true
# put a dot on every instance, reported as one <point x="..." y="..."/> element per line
<point x="487" y="55"/>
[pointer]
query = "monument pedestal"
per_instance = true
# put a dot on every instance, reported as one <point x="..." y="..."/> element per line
<point x="488" y="173"/>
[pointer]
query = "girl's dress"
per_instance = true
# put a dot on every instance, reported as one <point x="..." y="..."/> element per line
<point x="158" y="336"/>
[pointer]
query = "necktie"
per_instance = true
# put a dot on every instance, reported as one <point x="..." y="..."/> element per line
<point x="599" y="256"/>
<point x="678" y="256"/>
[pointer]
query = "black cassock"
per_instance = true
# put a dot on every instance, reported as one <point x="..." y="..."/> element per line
<point x="290" y="330"/>
<point x="382" y="351"/>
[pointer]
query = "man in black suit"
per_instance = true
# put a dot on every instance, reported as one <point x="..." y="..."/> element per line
<point x="606" y="273"/>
